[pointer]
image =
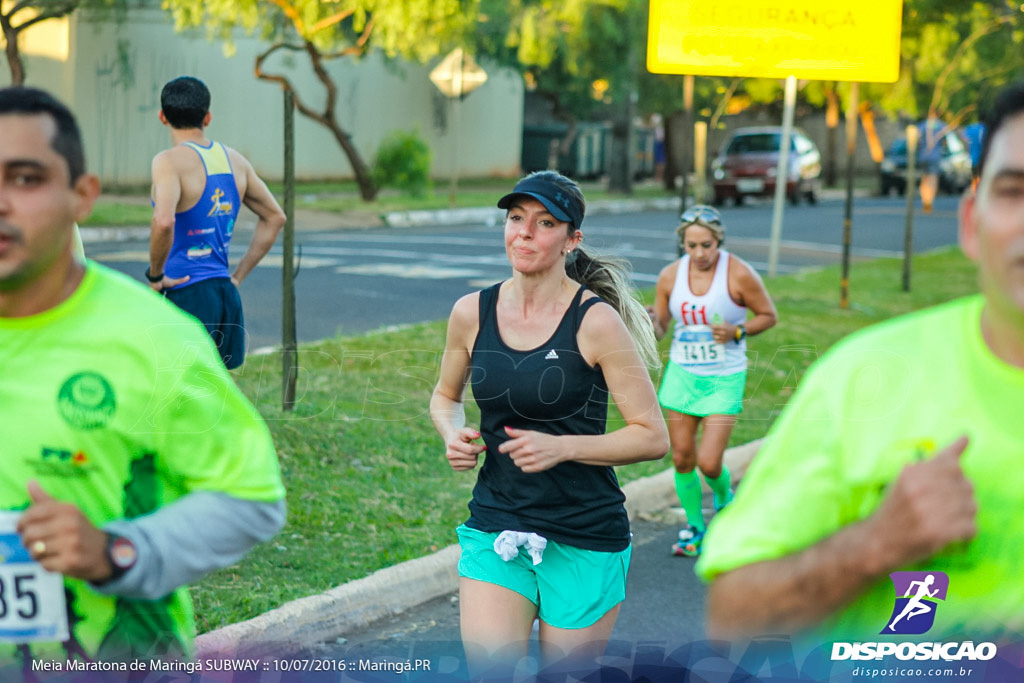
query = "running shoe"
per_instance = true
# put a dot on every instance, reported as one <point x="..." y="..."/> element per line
<point x="719" y="504"/>
<point x="689" y="543"/>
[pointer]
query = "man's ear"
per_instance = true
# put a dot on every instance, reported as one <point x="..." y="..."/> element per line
<point x="87" y="191"/>
<point x="968" y="228"/>
<point x="206" y="119"/>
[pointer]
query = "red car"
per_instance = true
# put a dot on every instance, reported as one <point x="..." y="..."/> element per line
<point x="749" y="160"/>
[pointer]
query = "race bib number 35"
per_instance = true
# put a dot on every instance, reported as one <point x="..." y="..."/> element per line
<point x="32" y="603"/>
<point x="695" y="345"/>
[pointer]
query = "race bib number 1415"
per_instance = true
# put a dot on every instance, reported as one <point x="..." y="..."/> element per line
<point x="696" y="346"/>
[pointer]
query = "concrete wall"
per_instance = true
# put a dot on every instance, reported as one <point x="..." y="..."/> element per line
<point x="114" y="72"/>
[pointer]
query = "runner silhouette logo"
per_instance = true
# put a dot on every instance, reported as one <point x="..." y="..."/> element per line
<point x="917" y="594"/>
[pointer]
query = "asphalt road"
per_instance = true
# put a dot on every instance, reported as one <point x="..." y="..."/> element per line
<point x="354" y="281"/>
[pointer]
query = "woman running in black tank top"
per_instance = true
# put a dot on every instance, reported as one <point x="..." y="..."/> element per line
<point x="547" y="536"/>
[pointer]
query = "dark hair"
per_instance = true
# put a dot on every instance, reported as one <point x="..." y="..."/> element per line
<point x="68" y="140"/>
<point x="185" y="102"/>
<point x="1009" y="103"/>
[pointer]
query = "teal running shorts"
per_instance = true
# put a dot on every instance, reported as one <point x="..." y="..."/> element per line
<point x="685" y="392"/>
<point x="572" y="588"/>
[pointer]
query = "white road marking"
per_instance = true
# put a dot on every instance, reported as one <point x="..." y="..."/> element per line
<point x="422" y="272"/>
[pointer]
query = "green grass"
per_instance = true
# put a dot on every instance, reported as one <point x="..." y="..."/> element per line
<point x="119" y="215"/>
<point x="368" y="484"/>
<point x="481" y="192"/>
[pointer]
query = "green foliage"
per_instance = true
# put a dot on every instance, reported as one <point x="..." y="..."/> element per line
<point x="16" y="17"/>
<point x="412" y="29"/>
<point x="562" y="48"/>
<point x="954" y="57"/>
<point x="403" y="162"/>
<point x="332" y="27"/>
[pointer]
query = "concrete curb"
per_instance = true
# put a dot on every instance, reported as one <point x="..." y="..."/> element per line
<point x="99" y="234"/>
<point x="320" y="618"/>
<point x="492" y="216"/>
<point x="470" y="216"/>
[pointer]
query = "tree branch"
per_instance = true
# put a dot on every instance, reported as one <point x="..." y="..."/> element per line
<point x="723" y="102"/>
<point x="357" y="48"/>
<point x="331" y="21"/>
<point x="940" y="82"/>
<point x="52" y="12"/>
<point x="284" y="82"/>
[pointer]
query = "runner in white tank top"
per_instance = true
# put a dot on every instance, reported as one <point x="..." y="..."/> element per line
<point x="707" y="294"/>
<point x="693" y="348"/>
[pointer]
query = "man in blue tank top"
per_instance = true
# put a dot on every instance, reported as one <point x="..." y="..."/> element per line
<point x="198" y="186"/>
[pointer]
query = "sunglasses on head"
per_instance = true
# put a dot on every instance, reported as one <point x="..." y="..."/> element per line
<point x="701" y="214"/>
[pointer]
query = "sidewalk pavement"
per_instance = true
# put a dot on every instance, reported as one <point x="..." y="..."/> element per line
<point x="303" y="623"/>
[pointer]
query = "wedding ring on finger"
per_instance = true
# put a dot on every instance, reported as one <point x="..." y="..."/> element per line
<point x="38" y="548"/>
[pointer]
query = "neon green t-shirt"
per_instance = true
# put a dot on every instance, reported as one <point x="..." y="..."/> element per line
<point x="873" y="404"/>
<point x="118" y="402"/>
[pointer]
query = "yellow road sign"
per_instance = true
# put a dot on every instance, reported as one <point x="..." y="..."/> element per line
<point x="458" y="74"/>
<point x="843" y="40"/>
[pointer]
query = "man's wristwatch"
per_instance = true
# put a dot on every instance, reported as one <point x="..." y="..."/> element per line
<point x="153" y="278"/>
<point x="121" y="554"/>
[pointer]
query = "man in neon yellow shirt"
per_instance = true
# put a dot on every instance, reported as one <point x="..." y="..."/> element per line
<point x="902" y="452"/>
<point x="132" y="464"/>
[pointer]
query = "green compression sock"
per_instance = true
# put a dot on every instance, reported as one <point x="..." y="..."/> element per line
<point x="722" y="488"/>
<point x="688" y="490"/>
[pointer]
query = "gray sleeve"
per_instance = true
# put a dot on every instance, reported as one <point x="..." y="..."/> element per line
<point x="189" y="538"/>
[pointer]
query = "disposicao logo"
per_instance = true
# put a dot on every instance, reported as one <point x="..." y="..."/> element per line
<point x="913" y="613"/>
<point x="916" y="596"/>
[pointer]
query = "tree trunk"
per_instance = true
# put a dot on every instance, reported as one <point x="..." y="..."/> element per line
<point x="673" y="135"/>
<point x="367" y="190"/>
<point x="14" y="62"/>
<point x="620" y="172"/>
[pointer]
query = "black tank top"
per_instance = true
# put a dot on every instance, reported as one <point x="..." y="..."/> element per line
<point x="549" y="389"/>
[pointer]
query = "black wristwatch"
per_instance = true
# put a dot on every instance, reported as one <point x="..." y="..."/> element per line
<point x="121" y="554"/>
<point x="153" y="278"/>
<point x="741" y="333"/>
